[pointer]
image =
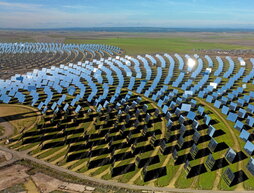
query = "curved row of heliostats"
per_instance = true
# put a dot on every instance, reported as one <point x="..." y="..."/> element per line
<point x="144" y="75"/>
<point x="56" y="47"/>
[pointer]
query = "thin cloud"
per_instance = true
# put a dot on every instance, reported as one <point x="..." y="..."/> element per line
<point x="9" y="5"/>
<point x="76" y="6"/>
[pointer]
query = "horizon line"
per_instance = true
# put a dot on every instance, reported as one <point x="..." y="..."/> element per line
<point x="141" y="29"/>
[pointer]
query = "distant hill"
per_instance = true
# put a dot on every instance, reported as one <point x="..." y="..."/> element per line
<point x="137" y="29"/>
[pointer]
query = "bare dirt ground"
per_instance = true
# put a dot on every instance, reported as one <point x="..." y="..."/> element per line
<point x="7" y="156"/>
<point x="46" y="183"/>
<point x="8" y="129"/>
<point x="39" y="182"/>
<point x="13" y="175"/>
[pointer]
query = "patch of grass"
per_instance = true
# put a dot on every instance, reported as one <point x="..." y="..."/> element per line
<point x="133" y="46"/>
<point x="182" y="181"/>
<point x="206" y="181"/>
<point x="49" y="152"/>
<point x="58" y="191"/>
<point x="27" y="146"/>
<point x="14" y="189"/>
<point x="249" y="183"/>
<point x="19" y="116"/>
<point x="99" y="170"/>
<point x="171" y="170"/>
<point x="140" y="181"/>
<point x="1" y="130"/>
<point x="57" y="156"/>
<point x="30" y="186"/>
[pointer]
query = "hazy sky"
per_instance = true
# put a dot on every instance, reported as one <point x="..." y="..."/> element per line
<point x="126" y="13"/>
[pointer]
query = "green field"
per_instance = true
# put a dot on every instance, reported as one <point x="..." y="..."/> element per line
<point x="134" y="46"/>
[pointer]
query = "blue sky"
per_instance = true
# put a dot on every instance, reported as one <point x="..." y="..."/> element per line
<point x="127" y="13"/>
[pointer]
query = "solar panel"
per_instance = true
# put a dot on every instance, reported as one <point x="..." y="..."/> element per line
<point x="249" y="147"/>
<point x="185" y="107"/>
<point x="40" y="105"/>
<point x="210" y="162"/>
<point x="182" y="129"/>
<point x="244" y="135"/>
<point x="156" y="112"/>
<point x="187" y="166"/>
<point x="77" y="109"/>
<point x="160" y="102"/>
<point x="145" y="107"/>
<point x="241" y="113"/>
<point x="225" y="110"/>
<point x="193" y="103"/>
<point x="71" y="90"/>
<point x="44" y="110"/>
<point x="169" y="124"/>
<point x="250" y="121"/>
<point x="238" y="125"/>
<point x="207" y="119"/>
<point x="194" y="151"/>
<point x="127" y="118"/>
<point x="232" y="117"/>
<point x="231" y="67"/>
<point x="196" y="137"/>
<point x="191" y="115"/>
<point x="250" y="108"/>
<point x="180" y="142"/>
<point x="220" y="67"/>
<point x="127" y="108"/>
<point x="179" y="100"/>
<point x="137" y="113"/>
<point x="195" y="124"/>
<point x="54" y="105"/>
<point x="201" y="110"/>
<point x="240" y="102"/>
<point x="165" y="109"/>
<point x="172" y="105"/>
<point x="232" y="106"/>
<point x="217" y="104"/>
<point x="211" y="130"/>
<point x="175" y="154"/>
<point x="224" y="100"/>
<point x="148" y="116"/>
<point x="231" y="96"/>
<point x="212" y="144"/>
<point x="209" y="99"/>
<point x="228" y="176"/>
<point x="188" y="92"/>
<point x="178" y="112"/>
<point x="181" y="119"/>
<point x="250" y="166"/>
<point x="230" y="155"/>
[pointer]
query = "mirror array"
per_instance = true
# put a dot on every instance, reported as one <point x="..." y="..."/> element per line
<point x="125" y="116"/>
<point x="23" y="57"/>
